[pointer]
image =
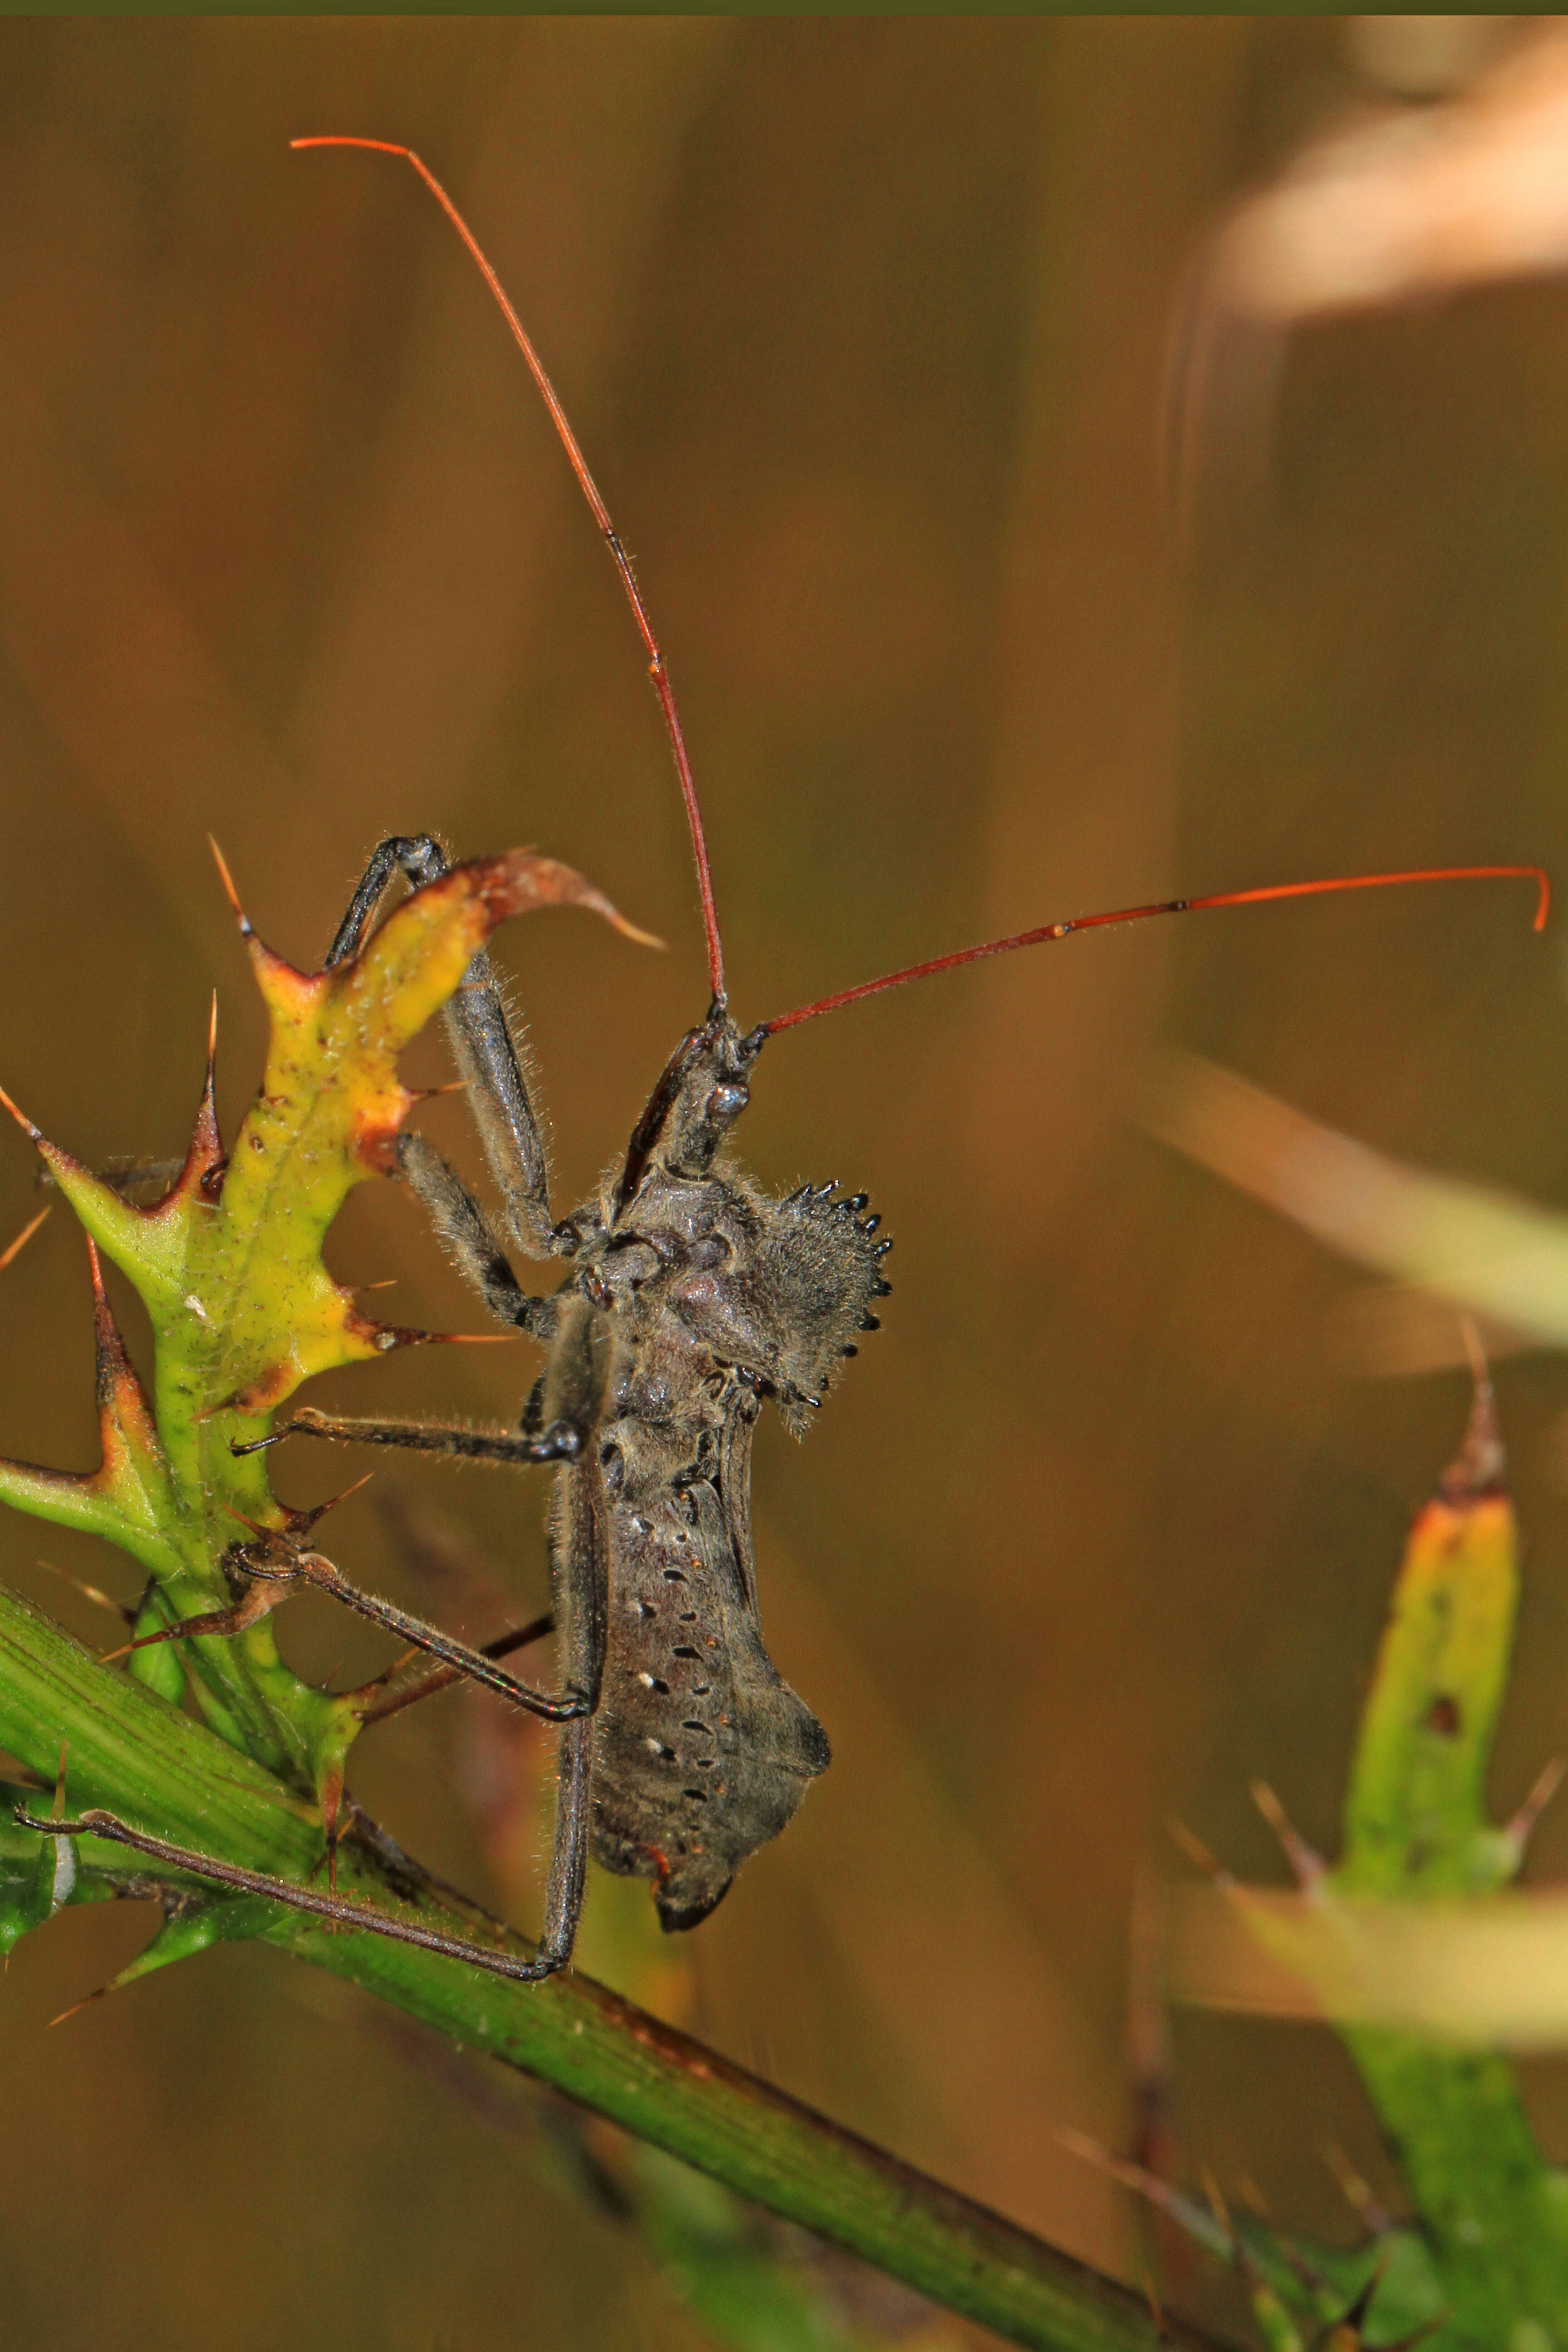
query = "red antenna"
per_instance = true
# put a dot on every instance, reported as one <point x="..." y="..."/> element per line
<point x="1048" y="931"/>
<point x="601" y="513"/>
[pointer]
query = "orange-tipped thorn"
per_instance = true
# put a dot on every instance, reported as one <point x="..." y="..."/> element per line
<point x="388" y="1335"/>
<point x="92" y="1593"/>
<point x="230" y="893"/>
<point x="1217" y="2205"/>
<point x="1306" y="1865"/>
<point x="23" y="1238"/>
<point x="629" y="930"/>
<point x="1548" y="1780"/>
<point x="302" y="1522"/>
<point x="34" y="1134"/>
<point x="1193" y="1846"/>
<point x="267" y="1535"/>
<point x="78" y="2006"/>
<point x="1361" y="2199"/>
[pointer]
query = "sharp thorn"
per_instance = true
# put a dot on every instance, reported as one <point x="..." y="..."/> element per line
<point x="850" y="1350"/>
<point x="230" y="893"/>
<point x="78" y="2006"/>
<point x="34" y="1134"/>
<point x="1362" y="2200"/>
<point x="1548" y="1780"/>
<point x="870" y="1323"/>
<point x="88" y="1591"/>
<point x="1197" y="1851"/>
<point x="302" y="1522"/>
<point x="23" y="1238"/>
<point x="871" y="1224"/>
<point x="1306" y="1865"/>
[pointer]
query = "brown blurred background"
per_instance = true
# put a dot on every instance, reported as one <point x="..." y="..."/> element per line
<point x="864" y="327"/>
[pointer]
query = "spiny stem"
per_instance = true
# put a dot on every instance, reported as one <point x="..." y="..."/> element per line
<point x="135" y="1756"/>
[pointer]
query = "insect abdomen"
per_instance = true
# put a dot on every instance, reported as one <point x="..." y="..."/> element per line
<point x="702" y="1752"/>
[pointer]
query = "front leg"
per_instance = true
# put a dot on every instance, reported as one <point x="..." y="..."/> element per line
<point x="488" y="1056"/>
<point x="465" y="1233"/>
<point x="571" y="1405"/>
<point x="511" y="1447"/>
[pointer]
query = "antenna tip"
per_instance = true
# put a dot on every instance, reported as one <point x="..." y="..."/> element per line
<point x="342" y="139"/>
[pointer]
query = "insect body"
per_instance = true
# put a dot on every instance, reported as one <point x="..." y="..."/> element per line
<point x="719" y="1296"/>
<point x="691" y="1299"/>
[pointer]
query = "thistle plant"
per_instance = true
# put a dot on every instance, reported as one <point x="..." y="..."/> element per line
<point x="1476" y="2261"/>
<point x="251" y="1776"/>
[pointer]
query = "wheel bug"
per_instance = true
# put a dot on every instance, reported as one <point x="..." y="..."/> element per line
<point x="691" y="1298"/>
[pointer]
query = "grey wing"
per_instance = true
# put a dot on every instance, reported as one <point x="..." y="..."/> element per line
<point x="703" y="1752"/>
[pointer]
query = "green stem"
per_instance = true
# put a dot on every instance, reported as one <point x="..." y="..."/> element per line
<point x="134" y="1755"/>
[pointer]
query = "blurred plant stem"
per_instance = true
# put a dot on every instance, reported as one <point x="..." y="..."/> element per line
<point x="1485" y="2263"/>
<point x="228" y="1265"/>
<point x="135" y="1754"/>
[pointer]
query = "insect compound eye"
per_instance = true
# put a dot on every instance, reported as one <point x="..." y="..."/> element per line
<point x="728" y="1101"/>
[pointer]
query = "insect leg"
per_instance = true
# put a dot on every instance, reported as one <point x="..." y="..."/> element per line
<point x="509" y="1446"/>
<point x="465" y="1233"/>
<point x="280" y="1564"/>
<point x="436" y="1553"/>
<point x="440" y="1678"/>
<point x="581" y="1577"/>
<point x="485" y="1050"/>
<point x="570" y="1407"/>
<point x="573" y="1396"/>
<point x="340" y="1910"/>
